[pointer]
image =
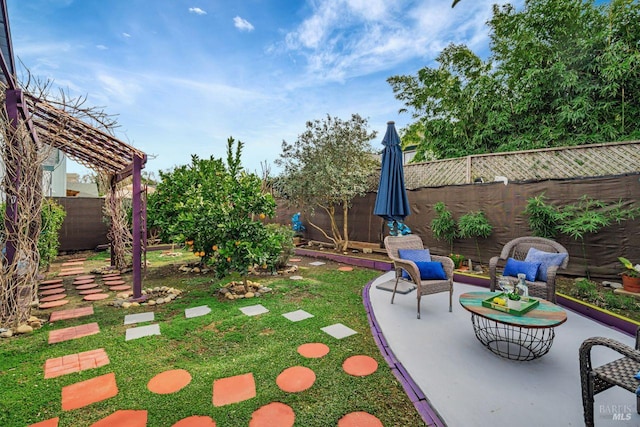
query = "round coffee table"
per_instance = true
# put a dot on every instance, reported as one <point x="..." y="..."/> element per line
<point x="525" y="337"/>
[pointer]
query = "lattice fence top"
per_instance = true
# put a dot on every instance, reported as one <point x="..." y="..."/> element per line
<point x="592" y="160"/>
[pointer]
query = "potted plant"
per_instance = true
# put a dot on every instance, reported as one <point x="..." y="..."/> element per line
<point x="514" y="301"/>
<point x="457" y="259"/>
<point x="630" y="276"/>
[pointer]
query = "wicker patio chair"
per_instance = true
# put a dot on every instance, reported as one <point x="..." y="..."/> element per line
<point x="518" y="249"/>
<point x="424" y="287"/>
<point x="619" y="373"/>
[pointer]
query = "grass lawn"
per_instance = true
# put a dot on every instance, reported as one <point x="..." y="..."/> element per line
<point x="218" y="345"/>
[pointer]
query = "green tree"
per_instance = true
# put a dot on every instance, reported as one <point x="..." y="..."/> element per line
<point x="216" y="209"/>
<point x="561" y="72"/>
<point x="325" y="168"/>
<point x="474" y="225"/>
<point x="52" y="215"/>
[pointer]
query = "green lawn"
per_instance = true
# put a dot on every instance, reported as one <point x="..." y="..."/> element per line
<point x="221" y="344"/>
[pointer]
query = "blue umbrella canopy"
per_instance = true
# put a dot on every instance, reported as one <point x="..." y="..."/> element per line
<point x="392" y="203"/>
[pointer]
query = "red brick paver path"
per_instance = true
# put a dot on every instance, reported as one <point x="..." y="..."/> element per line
<point x="73" y="332"/>
<point x="85" y="393"/>
<point x="70" y="314"/>
<point x="233" y="389"/>
<point x="58" y="366"/>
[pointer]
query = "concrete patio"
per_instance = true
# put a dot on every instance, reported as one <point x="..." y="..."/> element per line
<point x="467" y="385"/>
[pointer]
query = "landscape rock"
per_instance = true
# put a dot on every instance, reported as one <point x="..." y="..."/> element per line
<point x="160" y="301"/>
<point x="126" y="304"/>
<point x="8" y="333"/>
<point x="249" y="295"/>
<point x="151" y="302"/>
<point x="24" y="329"/>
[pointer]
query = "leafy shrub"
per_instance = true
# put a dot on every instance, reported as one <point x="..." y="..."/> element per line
<point x="586" y="290"/>
<point x="281" y="245"/>
<point x="443" y="225"/>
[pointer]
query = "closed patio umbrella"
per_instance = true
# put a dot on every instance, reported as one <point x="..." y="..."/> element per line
<point x="392" y="203"/>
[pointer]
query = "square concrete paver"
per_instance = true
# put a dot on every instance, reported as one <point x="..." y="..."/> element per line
<point x="73" y="332"/>
<point x="142" y="331"/>
<point x="139" y="318"/>
<point x="71" y="363"/>
<point x="84" y="393"/>
<point x="254" y="310"/>
<point x="317" y="263"/>
<point x="404" y="287"/>
<point x="298" y="315"/>
<point x="233" y="389"/>
<point x="338" y="331"/>
<point x="71" y="314"/>
<point x="196" y="311"/>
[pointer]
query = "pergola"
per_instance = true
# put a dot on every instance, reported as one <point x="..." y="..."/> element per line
<point x="80" y="141"/>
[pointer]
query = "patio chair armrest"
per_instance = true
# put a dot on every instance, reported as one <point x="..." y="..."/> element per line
<point x="447" y="264"/>
<point x="409" y="266"/>
<point x="589" y="343"/>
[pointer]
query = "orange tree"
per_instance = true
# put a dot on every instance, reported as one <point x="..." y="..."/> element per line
<point x="217" y="210"/>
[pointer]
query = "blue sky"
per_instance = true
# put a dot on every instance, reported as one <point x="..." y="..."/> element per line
<point x="184" y="75"/>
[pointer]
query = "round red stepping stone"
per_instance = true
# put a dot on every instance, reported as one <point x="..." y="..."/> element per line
<point x="360" y="366"/>
<point x="273" y="414"/>
<point x="313" y="350"/>
<point x="119" y="288"/>
<point x="295" y="259"/>
<point x="77" y="259"/>
<point x="295" y="379"/>
<point x="113" y="282"/>
<point x="53" y="298"/>
<point x="195" y="421"/>
<point x="106" y="276"/>
<point x="51" y="282"/>
<point x="85" y="277"/>
<point x="95" y="297"/>
<point x="83" y="282"/>
<point x="345" y="268"/>
<point x="48" y="287"/>
<point x="53" y="304"/>
<point x="90" y="291"/>
<point x="169" y="381"/>
<point x="53" y="291"/>
<point x="359" y="419"/>
<point x="87" y="286"/>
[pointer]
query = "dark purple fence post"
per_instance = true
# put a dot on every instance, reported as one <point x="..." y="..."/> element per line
<point x="136" y="214"/>
<point x="12" y="169"/>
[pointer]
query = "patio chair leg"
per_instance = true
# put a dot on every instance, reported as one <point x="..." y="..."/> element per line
<point x="450" y="301"/>
<point x="418" y="308"/>
<point x="394" y="290"/>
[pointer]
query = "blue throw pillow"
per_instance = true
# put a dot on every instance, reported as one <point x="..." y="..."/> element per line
<point x="637" y="376"/>
<point x="546" y="260"/>
<point x="415" y="255"/>
<point x="432" y="270"/>
<point x="514" y="267"/>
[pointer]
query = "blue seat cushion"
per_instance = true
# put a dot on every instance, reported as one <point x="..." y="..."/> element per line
<point x="432" y="270"/>
<point x="546" y="260"/>
<point x="415" y="255"/>
<point x="513" y="267"/>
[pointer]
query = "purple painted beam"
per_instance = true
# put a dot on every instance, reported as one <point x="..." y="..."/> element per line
<point x="12" y="168"/>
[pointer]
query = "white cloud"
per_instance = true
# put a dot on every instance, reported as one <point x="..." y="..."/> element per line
<point x="101" y="47"/>
<point x="126" y="35"/>
<point x="117" y="89"/>
<point x="197" y="11"/>
<point x="242" y="24"/>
